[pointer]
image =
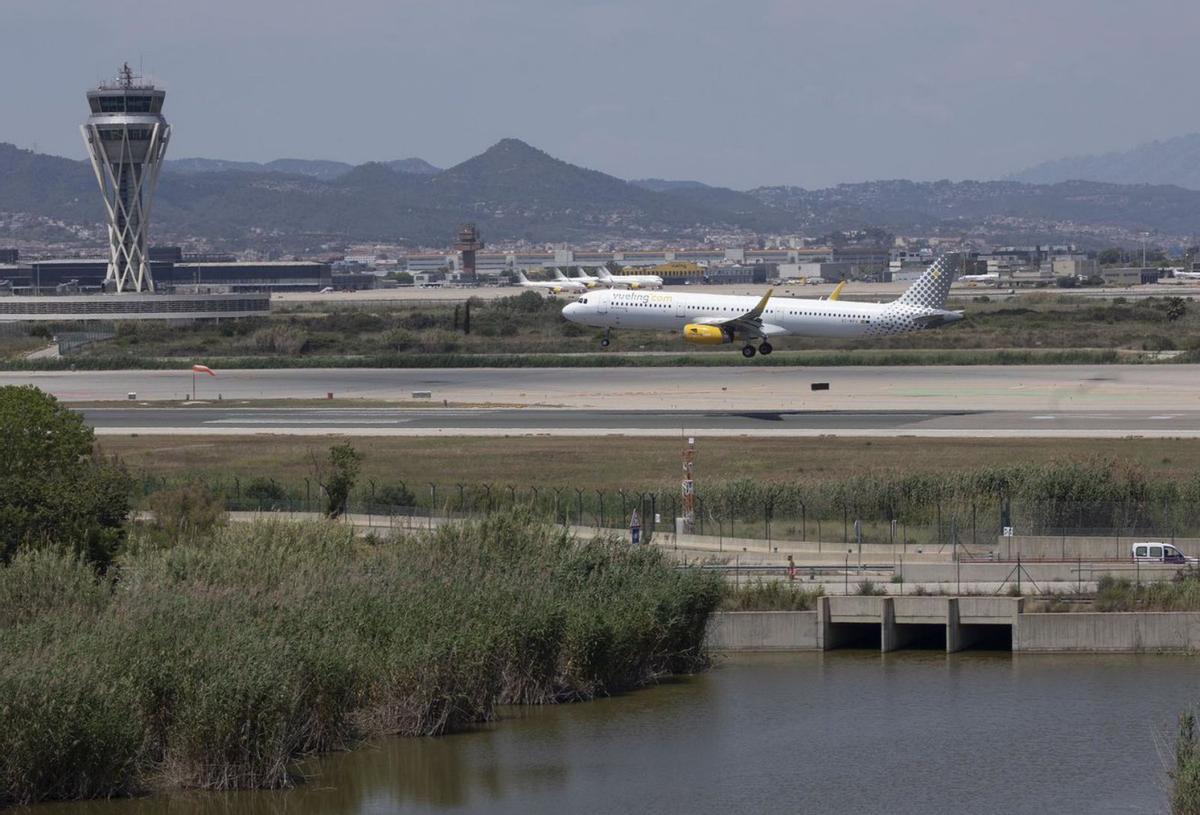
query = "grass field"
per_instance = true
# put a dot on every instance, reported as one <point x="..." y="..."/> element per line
<point x="629" y="463"/>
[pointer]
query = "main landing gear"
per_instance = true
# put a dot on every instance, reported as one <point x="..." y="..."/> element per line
<point x="606" y="339"/>
<point x="764" y="348"/>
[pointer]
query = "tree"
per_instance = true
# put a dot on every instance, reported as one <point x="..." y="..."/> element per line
<point x="401" y="278"/>
<point x="1175" y="308"/>
<point x="56" y="489"/>
<point x="337" y="476"/>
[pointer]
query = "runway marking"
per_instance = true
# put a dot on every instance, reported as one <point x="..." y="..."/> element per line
<point x="1044" y="418"/>
<point x="286" y="420"/>
<point x="452" y="432"/>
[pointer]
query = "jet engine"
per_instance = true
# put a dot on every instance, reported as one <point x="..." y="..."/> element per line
<point x="706" y="334"/>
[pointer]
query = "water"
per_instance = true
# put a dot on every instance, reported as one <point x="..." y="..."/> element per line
<point x="852" y="732"/>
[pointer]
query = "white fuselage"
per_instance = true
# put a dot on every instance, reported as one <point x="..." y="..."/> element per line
<point x="554" y="286"/>
<point x="782" y="316"/>
<point x="630" y="281"/>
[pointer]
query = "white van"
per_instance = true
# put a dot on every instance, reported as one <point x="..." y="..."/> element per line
<point x="1157" y="552"/>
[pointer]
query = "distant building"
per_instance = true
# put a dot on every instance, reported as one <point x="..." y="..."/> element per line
<point x="173" y="254"/>
<point x="1130" y="275"/>
<point x="9" y="257"/>
<point x="284" y="275"/>
<point x="1082" y="267"/>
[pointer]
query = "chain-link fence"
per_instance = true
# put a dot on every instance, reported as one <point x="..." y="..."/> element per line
<point x="974" y="527"/>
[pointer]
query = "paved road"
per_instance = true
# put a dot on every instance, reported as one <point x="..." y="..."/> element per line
<point x="1047" y="389"/>
<point x="412" y="421"/>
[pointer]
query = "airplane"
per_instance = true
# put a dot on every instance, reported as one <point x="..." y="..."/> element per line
<point x="552" y="286"/>
<point x="715" y="319"/>
<point x="587" y="280"/>
<point x="992" y="278"/>
<point x="837" y="291"/>
<point x="1182" y="275"/>
<point x="630" y="281"/>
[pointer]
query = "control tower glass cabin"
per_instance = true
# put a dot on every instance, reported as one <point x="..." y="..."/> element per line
<point x="126" y="137"/>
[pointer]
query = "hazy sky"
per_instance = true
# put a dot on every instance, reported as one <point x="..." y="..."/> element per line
<point x="734" y="93"/>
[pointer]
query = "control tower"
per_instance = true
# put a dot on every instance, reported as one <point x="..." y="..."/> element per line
<point x="469" y="242"/>
<point x="126" y="137"/>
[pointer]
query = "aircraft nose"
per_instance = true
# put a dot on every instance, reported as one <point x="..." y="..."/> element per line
<point x="571" y="310"/>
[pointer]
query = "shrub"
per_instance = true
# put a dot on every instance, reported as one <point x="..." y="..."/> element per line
<point x="187" y="511"/>
<point x="264" y="492"/>
<point x="395" y="495"/>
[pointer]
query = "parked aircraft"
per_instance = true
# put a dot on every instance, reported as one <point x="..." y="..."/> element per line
<point x="552" y="286"/>
<point x="629" y="281"/>
<point x="714" y="319"/>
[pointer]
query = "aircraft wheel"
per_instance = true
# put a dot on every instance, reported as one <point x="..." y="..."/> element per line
<point x="748" y="351"/>
<point x="765" y="347"/>
<point x="604" y="342"/>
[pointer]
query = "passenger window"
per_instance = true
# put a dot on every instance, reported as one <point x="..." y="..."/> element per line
<point x="1156" y="551"/>
<point x="1139" y="551"/>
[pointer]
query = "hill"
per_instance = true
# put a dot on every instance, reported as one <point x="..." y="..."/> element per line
<point x="515" y="191"/>
<point x="1085" y="212"/>
<point x="315" y="168"/>
<point x="1174" y="161"/>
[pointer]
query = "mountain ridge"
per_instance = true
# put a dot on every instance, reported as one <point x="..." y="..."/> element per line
<point x="1174" y="161"/>
<point x="316" y="168"/>
<point x="517" y="192"/>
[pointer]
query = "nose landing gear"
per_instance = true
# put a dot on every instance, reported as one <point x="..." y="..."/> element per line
<point x="605" y="340"/>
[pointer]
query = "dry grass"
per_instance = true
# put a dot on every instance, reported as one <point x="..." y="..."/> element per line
<point x="628" y="462"/>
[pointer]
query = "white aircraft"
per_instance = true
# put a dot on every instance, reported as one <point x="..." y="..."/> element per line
<point x="990" y="278"/>
<point x="588" y="281"/>
<point x="1182" y="275"/>
<point x="552" y="286"/>
<point x="629" y="281"/>
<point x="714" y="319"/>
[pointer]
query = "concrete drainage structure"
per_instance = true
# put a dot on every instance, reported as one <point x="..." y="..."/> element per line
<point x="952" y="624"/>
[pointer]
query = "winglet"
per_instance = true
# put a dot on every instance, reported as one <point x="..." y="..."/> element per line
<point x="838" y="291"/>
<point x="757" y="311"/>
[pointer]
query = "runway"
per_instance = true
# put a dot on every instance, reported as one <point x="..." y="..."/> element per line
<point x="985" y="401"/>
<point x="1044" y="389"/>
<point x="197" y="420"/>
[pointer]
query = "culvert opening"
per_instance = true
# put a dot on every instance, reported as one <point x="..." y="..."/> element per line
<point x="921" y="636"/>
<point x="986" y="637"/>
<point x="854" y="635"/>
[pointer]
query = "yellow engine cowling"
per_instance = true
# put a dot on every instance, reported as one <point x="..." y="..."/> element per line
<point x="706" y="334"/>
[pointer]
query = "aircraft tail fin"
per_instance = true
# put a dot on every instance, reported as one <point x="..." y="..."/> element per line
<point x="521" y="276"/>
<point x="933" y="287"/>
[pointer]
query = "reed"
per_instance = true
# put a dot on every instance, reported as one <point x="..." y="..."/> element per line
<point x="217" y="661"/>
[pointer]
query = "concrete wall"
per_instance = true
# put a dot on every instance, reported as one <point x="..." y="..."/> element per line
<point x="1085" y="547"/>
<point x="762" y="631"/>
<point x="901" y="622"/>
<point x="1099" y="632"/>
